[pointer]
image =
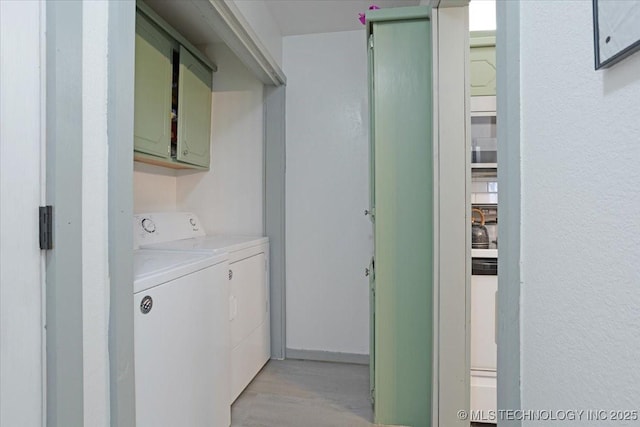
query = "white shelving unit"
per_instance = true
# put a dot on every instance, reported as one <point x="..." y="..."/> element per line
<point x="483" y="287"/>
<point x="484" y="165"/>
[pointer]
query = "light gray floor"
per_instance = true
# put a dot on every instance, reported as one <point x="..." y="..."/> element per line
<point x="295" y="393"/>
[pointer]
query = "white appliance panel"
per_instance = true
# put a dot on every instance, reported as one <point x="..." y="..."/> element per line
<point x="483" y="323"/>
<point x="153" y="268"/>
<point x="182" y="352"/>
<point x="484" y="392"/>
<point x="249" y="299"/>
<point x="248" y="357"/>
<point x="231" y="244"/>
<point x="159" y="227"/>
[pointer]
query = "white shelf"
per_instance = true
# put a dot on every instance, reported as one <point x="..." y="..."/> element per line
<point x="484" y="165"/>
<point x="484" y="253"/>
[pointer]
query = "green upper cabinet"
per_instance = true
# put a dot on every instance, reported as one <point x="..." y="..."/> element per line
<point x="173" y="86"/>
<point x="152" y="120"/>
<point x="194" y="110"/>
<point x="483" y="63"/>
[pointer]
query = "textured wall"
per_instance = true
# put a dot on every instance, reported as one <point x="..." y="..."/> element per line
<point x="154" y="188"/>
<point x="580" y="216"/>
<point x="329" y="240"/>
<point x="229" y="197"/>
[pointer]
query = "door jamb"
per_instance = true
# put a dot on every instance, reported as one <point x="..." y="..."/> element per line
<point x="120" y="64"/>
<point x="509" y="205"/>
<point x="274" y="209"/>
<point x="452" y="229"/>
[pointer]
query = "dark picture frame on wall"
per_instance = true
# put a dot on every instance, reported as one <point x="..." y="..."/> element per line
<point x="616" y="30"/>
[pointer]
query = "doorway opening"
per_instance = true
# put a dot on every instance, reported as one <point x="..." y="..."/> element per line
<point x="484" y="213"/>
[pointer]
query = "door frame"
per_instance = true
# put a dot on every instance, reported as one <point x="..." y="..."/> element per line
<point x="452" y="171"/>
<point x="449" y="344"/>
<point x="274" y="208"/>
<point x="65" y="181"/>
<point x="64" y="293"/>
<point x="509" y="205"/>
<point x="120" y="104"/>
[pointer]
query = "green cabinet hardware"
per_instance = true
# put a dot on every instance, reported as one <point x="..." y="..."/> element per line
<point x="482" y="65"/>
<point x="172" y="113"/>
<point x="401" y="101"/>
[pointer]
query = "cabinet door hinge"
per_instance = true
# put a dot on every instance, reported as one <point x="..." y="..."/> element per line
<point x="371" y="41"/>
<point x="46" y="227"/>
<point x="371" y="213"/>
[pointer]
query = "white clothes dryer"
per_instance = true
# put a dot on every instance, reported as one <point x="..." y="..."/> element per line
<point x="181" y="339"/>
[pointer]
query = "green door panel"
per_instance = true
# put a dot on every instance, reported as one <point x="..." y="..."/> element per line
<point x="402" y="138"/>
<point x="372" y="181"/>
<point x="372" y="210"/>
<point x="152" y="120"/>
<point x="194" y="110"/>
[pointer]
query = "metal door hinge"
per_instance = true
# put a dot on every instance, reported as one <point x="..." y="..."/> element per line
<point x="46" y="227"/>
<point x="371" y="41"/>
<point x="371" y="213"/>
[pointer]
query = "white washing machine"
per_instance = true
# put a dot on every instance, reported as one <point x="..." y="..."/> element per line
<point x="181" y="339"/>
<point x="248" y="275"/>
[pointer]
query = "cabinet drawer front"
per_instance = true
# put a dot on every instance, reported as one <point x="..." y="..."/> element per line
<point x="194" y="110"/>
<point x="152" y="126"/>
<point x="482" y="71"/>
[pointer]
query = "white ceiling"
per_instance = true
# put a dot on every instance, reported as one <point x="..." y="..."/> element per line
<point x="296" y="17"/>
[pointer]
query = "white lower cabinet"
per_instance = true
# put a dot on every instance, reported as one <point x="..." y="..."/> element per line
<point x="484" y="350"/>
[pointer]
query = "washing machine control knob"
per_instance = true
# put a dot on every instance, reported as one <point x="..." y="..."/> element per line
<point x="146" y="304"/>
<point x="148" y="225"/>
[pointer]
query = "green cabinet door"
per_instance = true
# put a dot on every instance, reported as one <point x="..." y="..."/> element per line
<point x="194" y="110"/>
<point x="152" y="120"/>
<point x="482" y="57"/>
<point x="402" y="140"/>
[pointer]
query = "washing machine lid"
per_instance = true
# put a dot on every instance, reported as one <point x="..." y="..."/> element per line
<point x="218" y="243"/>
<point x="155" y="267"/>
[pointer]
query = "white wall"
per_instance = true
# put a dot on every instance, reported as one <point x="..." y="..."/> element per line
<point x="154" y="188"/>
<point x="21" y="293"/>
<point x="259" y="17"/>
<point x="328" y="238"/>
<point x="229" y="198"/>
<point x="95" y="263"/>
<point x="580" y="230"/>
